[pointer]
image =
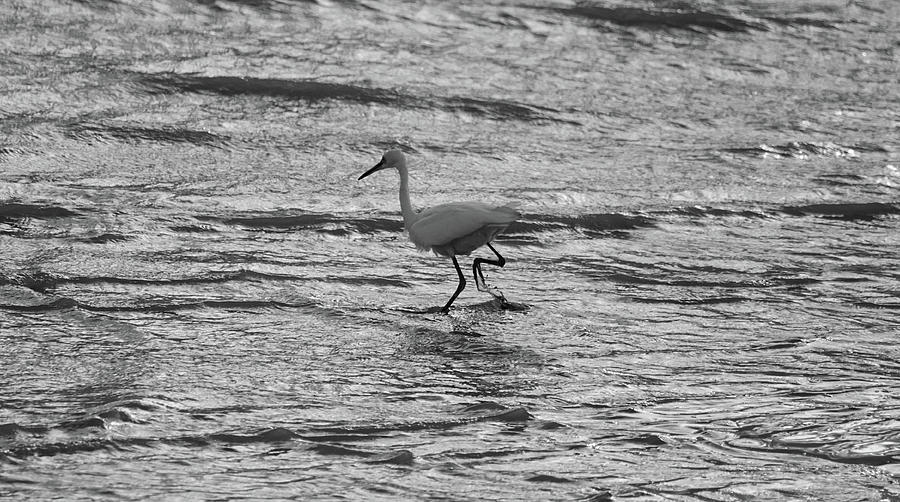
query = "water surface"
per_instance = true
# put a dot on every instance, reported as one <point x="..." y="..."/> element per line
<point x="199" y="301"/>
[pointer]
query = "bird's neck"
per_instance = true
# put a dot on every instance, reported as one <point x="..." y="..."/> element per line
<point x="409" y="216"/>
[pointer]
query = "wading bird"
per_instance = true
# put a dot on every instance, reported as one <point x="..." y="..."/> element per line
<point x="453" y="229"/>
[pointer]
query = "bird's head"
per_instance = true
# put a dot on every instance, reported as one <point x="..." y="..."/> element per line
<point x="391" y="158"/>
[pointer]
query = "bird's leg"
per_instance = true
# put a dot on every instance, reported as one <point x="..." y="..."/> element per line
<point x="462" y="285"/>
<point x="482" y="286"/>
<point x="476" y="266"/>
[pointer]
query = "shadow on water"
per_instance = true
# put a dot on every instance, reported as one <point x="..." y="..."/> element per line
<point x="489" y="306"/>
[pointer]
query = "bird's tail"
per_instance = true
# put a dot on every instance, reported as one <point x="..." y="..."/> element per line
<point x="510" y="211"/>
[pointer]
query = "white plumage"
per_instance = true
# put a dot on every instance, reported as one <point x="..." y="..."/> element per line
<point x="458" y="228"/>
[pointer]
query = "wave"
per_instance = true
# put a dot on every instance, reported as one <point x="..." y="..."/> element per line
<point x="680" y="17"/>
<point x="275" y="435"/>
<point x="840" y="180"/>
<point x="321" y="440"/>
<point x="69" y="303"/>
<point x="802" y="21"/>
<point x="525" y="231"/>
<point x="16" y="211"/>
<point x="714" y="300"/>
<point x="327" y="223"/>
<point x="11" y="430"/>
<point x="815" y="443"/>
<point x="315" y="91"/>
<point x="106" y="238"/>
<point x="401" y="457"/>
<point x="42" y="281"/>
<point x="878" y="306"/>
<point x="340" y="225"/>
<point x="121" y="410"/>
<point x="217" y="5"/>
<point x="45" y="284"/>
<point x="592" y="224"/>
<point x="704" y="211"/>
<point x="763" y="283"/>
<point x="140" y="134"/>
<point x="845" y="211"/>
<point x="522" y="231"/>
<point x="804" y="150"/>
<point x="500" y="414"/>
<point x="192" y="228"/>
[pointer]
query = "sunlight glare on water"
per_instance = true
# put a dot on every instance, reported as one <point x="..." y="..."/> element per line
<point x="198" y="299"/>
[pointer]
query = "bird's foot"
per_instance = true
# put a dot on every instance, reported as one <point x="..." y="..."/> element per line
<point x="484" y="288"/>
<point x="498" y="295"/>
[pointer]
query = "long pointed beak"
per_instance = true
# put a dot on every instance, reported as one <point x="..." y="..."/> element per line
<point x="378" y="167"/>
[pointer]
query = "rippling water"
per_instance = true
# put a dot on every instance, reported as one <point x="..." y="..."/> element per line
<point x="198" y="300"/>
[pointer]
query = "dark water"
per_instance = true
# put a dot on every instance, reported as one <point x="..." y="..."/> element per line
<point x="199" y="301"/>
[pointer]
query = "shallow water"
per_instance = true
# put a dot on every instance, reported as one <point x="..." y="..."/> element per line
<point x="198" y="300"/>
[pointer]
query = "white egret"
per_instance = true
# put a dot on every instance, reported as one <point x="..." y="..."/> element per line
<point x="453" y="229"/>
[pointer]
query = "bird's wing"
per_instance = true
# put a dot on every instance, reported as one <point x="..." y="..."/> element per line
<point x="441" y="224"/>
